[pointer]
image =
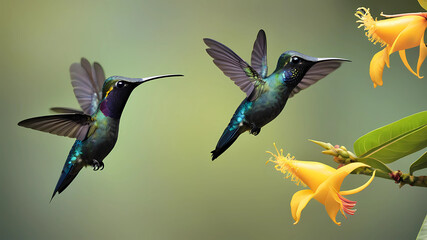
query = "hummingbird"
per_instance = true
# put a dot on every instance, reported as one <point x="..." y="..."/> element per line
<point x="266" y="96"/>
<point x="96" y="126"/>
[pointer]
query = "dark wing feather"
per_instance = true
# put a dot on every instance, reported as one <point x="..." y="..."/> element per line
<point x="315" y="73"/>
<point x="87" y="84"/>
<point x="69" y="125"/>
<point x="233" y="66"/>
<point x="259" y="54"/>
<point x="99" y="75"/>
<point x="65" y="110"/>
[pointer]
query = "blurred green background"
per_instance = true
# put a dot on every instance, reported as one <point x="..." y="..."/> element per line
<point x="159" y="181"/>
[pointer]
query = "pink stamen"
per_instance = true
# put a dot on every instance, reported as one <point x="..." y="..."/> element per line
<point x="348" y="211"/>
<point x="346" y="200"/>
<point x="347" y="205"/>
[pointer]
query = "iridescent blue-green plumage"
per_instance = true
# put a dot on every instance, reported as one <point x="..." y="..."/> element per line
<point x="266" y="96"/>
<point x="96" y="127"/>
<point x="71" y="167"/>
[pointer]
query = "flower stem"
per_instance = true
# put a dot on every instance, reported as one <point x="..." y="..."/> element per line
<point x="398" y="177"/>
<point x="343" y="157"/>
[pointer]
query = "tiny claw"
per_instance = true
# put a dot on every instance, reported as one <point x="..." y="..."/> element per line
<point x="96" y="165"/>
<point x="102" y="166"/>
<point x="255" y="130"/>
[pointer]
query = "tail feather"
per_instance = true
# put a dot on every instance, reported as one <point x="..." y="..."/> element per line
<point x="228" y="137"/>
<point x="71" y="168"/>
<point x="69" y="172"/>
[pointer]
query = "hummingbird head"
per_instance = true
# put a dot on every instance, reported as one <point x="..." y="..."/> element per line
<point x="116" y="91"/>
<point x="293" y="66"/>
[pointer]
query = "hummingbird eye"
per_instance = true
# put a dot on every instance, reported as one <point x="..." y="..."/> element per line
<point x="295" y="59"/>
<point x="120" y="84"/>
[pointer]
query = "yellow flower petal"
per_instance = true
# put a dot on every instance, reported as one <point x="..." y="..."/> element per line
<point x="356" y="190"/>
<point x="328" y="191"/>
<point x="312" y="173"/>
<point x="388" y="30"/>
<point x="409" y="37"/>
<point x="333" y="205"/>
<point x="402" y="55"/>
<point x="376" y="67"/>
<point x="336" y="180"/>
<point x="423" y="53"/>
<point x="299" y="201"/>
<point x="305" y="172"/>
<point x="423" y="3"/>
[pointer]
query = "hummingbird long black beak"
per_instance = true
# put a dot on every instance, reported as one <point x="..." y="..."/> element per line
<point x="138" y="81"/>
<point x="318" y="60"/>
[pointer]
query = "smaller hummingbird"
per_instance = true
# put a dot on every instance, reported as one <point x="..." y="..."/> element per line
<point x="96" y="127"/>
<point x="266" y="96"/>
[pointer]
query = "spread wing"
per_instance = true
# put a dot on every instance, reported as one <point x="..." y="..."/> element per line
<point x="69" y="125"/>
<point x="87" y="84"/>
<point x="259" y="54"/>
<point x="65" y="110"/>
<point x="233" y="66"/>
<point x="317" y="72"/>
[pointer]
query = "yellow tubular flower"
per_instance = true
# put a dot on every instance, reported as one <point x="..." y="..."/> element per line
<point x="398" y="33"/>
<point x="324" y="183"/>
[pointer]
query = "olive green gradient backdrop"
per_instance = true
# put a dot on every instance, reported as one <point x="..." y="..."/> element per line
<point x="159" y="181"/>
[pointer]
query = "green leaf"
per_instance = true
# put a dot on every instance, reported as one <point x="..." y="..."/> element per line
<point x="419" y="164"/>
<point x="394" y="141"/>
<point x="375" y="164"/>
<point x="423" y="231"/>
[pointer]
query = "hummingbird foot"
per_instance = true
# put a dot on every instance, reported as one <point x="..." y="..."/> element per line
<point x="255" y="130"/>
<point x="97" y="165"/>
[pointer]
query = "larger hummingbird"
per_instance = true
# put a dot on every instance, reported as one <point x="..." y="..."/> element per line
<point x="266" y="96"/>
<point x="96" y="127"/>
